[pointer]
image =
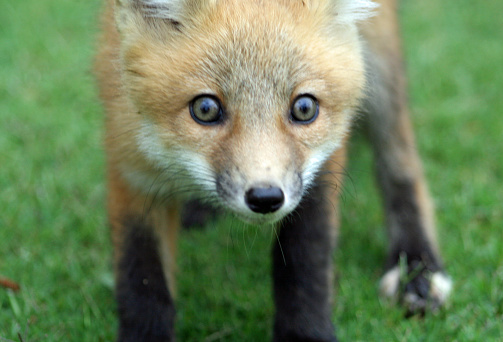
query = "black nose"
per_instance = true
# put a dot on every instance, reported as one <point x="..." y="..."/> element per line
<point x="264" y="200"/>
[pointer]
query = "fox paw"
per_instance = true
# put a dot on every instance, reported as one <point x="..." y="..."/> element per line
<point x="418" y="289"/>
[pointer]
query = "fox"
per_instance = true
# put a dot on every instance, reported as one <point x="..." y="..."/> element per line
<point x="247" y="107"/>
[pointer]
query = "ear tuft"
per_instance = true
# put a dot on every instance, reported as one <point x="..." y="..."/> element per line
<point x="130" y="12"/>
<point x="352" y="11"/>
<point x="162" y="9"/>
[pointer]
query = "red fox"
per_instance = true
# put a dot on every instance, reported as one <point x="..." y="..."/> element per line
<point x="247" y="106"/>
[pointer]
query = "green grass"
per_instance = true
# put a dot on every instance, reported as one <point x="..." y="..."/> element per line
<point x="55" y="243"/>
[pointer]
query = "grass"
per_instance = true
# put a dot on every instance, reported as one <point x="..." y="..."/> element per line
<point x="55" y="243"/>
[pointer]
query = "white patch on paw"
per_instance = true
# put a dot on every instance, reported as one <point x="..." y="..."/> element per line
<point x="390" y="282"/>
<point x="441" y="286"/>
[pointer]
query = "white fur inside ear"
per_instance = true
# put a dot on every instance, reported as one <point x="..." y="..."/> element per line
<point x="162" y="9"/>
<point x="352" y="11"/>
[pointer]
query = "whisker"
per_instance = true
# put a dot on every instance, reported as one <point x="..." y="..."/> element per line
<point x="279" y="245"/>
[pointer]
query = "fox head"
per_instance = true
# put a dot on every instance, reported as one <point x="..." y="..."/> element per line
<point x="242" y="102"/>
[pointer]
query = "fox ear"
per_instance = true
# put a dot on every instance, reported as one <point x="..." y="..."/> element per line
<point x="164" y="9"/>
<point x="353" y="11"/>
<point x="177" y="12"/>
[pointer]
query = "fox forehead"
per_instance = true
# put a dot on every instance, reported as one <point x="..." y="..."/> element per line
<point x="270" y="49"/>
<point x="260" y="57"/>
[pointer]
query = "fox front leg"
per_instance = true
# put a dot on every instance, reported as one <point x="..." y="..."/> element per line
<point x="302" y="263"/>
<point x="144" y="243"/>
<point x="146" y="308"/>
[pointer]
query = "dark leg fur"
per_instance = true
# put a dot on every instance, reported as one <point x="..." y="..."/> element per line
<point x="196" y="214"/>
<point x="146" y="310"/>
<point x="302" y="272"/>
<point x="412" y="240"/>
<point x="412" y="250"/>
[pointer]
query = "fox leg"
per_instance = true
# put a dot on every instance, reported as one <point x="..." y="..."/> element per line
<point x="143" y="261"/>
<point x="302" y="263"/>
<point x="413" y="249"/>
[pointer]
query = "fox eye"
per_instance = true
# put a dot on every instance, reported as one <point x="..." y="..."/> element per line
<point x="206" y="110"/>
<point x="304" y="109"/>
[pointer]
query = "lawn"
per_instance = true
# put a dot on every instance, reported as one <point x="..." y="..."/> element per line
<point x="54" y="240"/>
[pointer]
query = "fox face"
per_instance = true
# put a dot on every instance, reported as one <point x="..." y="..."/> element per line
<point x="239" y="104"/>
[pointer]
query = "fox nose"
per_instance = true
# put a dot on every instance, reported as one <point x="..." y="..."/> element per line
<point x="264" y="200"/>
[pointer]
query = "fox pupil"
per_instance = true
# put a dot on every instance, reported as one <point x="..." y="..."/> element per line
<point x="206" y="107"/>
<point x="304" y="107"/>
